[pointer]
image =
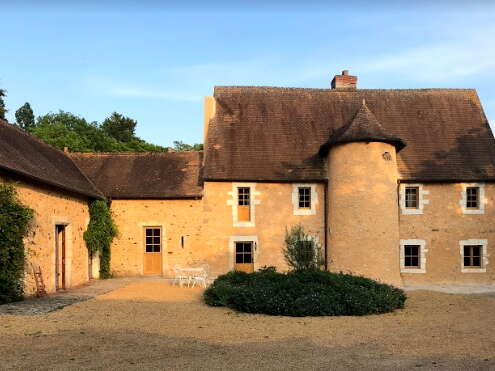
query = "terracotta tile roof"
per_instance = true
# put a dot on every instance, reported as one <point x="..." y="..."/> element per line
<point x="274" y="134"/>
<point x="364" y="127"/>
<point x="30" y="158"/>
<point x="143" y="175"/>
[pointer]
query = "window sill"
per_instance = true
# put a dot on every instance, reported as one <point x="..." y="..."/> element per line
<point x="473" y="270"/>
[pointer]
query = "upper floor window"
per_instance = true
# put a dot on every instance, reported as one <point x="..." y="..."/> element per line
<point x="412" y="197"/>
<point x="243" y="196"/>
<point x="243" y="202"/>
<point x="304" y="197"/>
<point x="472" y="197"/>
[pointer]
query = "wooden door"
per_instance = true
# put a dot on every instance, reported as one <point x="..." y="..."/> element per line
<point x="60" y="256"/>
<point x="244" y="256"/>
<point x="152" y="250"/>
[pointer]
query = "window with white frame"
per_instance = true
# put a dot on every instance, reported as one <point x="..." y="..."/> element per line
<point x="413" y="256"/>
<point x="474" y="258"/>
<point x="243" y="201"/>
<point x="304" y="199"/>
<point x="473" y="198"/>
<point x="412" y="198"/>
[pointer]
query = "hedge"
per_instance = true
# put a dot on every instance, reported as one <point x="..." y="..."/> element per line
<point x="303" y="293"/>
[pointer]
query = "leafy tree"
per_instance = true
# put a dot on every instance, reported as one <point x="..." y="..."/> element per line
<point x="100" y="234"/>
<point x="64" y="129"/>
<point x="24" y="117"/>
<point x="301" y="252"/>
<point x="119" y="127"/>
<point x="3" y="109"/>
<point x="180" y="146"/>
<point x="15" y="221"/>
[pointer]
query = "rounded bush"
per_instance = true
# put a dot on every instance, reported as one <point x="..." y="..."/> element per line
<point x="303" y="293"/>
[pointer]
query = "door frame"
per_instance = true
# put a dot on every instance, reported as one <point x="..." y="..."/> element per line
<point x="61" y="261"/>
<point x="231" y="249"/>
<point x="162" y="245"/>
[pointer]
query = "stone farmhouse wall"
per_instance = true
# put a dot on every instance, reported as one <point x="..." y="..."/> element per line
<point x="52" y="207"/>
<point x="177" y="219"/>
<point x="202" y="231"/>
<point x="441" y="226"/>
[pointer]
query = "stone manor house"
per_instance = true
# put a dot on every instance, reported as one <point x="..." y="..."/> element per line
<point x="397" y="185"/>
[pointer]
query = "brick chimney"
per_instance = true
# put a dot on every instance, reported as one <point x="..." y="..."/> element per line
<point x="344" y="81"/>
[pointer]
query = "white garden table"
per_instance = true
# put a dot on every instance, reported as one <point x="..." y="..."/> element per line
<point x="189" y="274"/>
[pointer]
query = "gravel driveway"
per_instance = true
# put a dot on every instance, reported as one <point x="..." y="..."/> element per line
<point x="148" y="324"/>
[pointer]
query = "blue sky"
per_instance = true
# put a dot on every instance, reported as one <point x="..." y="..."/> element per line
<point x="156" y="62"/>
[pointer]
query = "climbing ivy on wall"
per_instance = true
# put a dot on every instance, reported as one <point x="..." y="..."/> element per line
<point x="15" y="220"/>
<point x="100" y="233"/>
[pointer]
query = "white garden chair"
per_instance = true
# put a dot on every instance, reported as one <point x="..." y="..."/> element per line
<point x="201" y="277"/>
<point x="180" y="276"/>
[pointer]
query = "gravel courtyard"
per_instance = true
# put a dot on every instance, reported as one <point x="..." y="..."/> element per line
<point x="149" y="324"/>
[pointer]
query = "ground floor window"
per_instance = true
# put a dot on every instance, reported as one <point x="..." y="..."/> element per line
<point x="243" y="252"/>
<point x="473" y="255"/>
<point x="412" y="256"/>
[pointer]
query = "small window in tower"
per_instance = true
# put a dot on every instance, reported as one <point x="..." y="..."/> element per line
<point x="304" y="197"/>
<point x="412" y="256"/>
<point x="472" y="256"/>
<point x="412" y="197"/>
<point x="472" y="197"/>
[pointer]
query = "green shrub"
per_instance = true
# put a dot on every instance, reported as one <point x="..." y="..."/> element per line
<point x="14" y="225"/>
<point x="99" y="235"/>
<point x="301" y="252"/>
<point x="303" y="293"/>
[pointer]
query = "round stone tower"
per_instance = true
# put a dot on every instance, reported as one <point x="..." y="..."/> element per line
<point x="363" y="210"/>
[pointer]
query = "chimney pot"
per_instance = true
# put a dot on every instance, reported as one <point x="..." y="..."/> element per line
<point x="344" y="81"/>
<point x="66" y="149"/>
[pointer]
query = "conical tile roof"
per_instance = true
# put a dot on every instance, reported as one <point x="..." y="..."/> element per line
<point x="364" y="127"/>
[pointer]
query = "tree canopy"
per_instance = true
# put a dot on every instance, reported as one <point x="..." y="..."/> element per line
<point x="3" y="109"/>
<point x="119" y="127"/>
<point x="64" y="129"/>
<point x="180" y="146"/>
<point x="24" y="117"/>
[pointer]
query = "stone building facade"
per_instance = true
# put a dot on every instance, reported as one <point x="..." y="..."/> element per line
<point x="397" y="185"/>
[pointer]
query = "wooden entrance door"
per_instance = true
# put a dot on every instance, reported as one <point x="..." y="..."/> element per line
<point x="244" y="256"/>
<point x="152" y="250"/>
<point x="60" y="255"/>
